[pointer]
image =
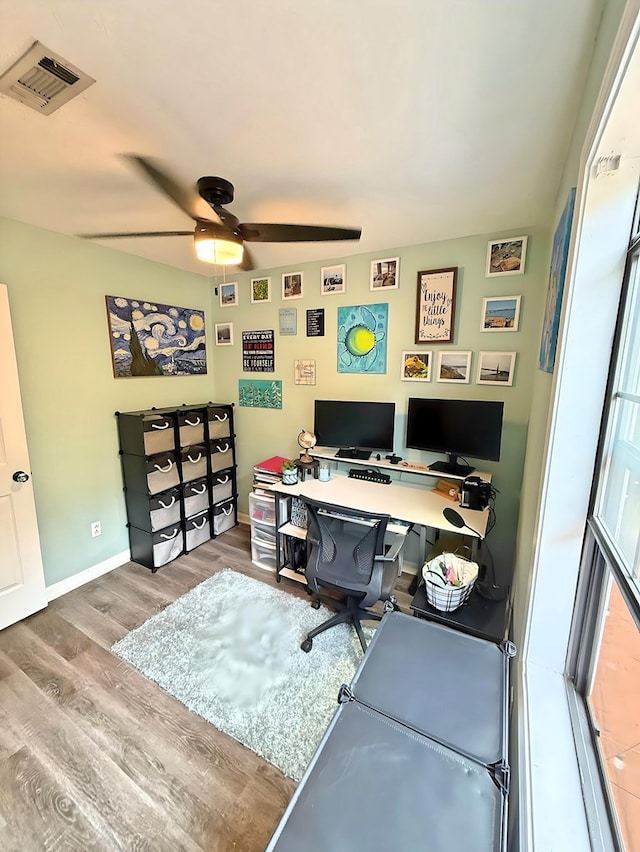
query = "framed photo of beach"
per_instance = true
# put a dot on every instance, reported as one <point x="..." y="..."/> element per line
<point x="454" y="367"/>
<point x="496" y="368"/>
<point x="500" y="313"/>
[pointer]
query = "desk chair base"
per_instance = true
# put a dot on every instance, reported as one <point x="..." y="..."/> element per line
<point x="350" y="613"/>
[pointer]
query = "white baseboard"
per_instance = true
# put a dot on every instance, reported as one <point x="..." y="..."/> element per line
<point x="76" y="580"/>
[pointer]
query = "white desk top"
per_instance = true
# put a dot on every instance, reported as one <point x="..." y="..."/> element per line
<point x="416" y="504"/>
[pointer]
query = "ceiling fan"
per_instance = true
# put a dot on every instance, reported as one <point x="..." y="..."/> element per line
<point x="219" y="236"/>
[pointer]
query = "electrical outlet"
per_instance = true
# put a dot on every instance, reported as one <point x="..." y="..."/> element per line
<point x="96" y="529"/>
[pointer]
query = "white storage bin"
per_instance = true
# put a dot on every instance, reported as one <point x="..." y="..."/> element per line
<point x="221" y="454"/>
<point x="224" y="517"/>
<point x="194" y="462"/>
<point x="219" y="423"/>
<point x="222" y="486"/>
<point x="195" y="496"/>
<point x="197" y="530"/>
<point x="262" y="509"/>
<point x="191" y="427"/>
<point x="263" y="555"/>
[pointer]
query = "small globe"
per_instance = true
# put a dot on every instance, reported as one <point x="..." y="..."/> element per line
<point x="306" y="440"/>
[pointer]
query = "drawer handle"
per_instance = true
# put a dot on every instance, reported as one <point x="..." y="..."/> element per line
<point x="172" y="535"/>
<point x="194" y="489"/>
<point x="167" y="505"/>
<point x="189" y="423"/>
<point x="164" y="469"/>
<point x="221" y="419"/>
<point x="222" y="481"/>
<point x="197" y="458"/>
<point x="227" y="513"/>
<point x="195" y="524"/>
<point x="223" y="449"/>
<point x="160" y="425"/>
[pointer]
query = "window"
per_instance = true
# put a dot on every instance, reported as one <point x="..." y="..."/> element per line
<point x="604" y="659"/>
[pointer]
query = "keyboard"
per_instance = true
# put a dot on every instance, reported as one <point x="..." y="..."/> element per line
<point x="370" y="475"/>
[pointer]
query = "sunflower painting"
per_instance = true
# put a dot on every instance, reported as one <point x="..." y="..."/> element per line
<point x="362" y="338"/>
<point x="150" y="339"/>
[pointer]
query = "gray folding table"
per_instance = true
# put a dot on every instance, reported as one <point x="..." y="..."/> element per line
<point x="416" y="755"/>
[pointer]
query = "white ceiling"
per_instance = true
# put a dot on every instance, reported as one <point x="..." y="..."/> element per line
<point x="417" y="120"/>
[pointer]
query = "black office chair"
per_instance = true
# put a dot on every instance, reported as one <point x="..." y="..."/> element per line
<point x="346" y="553"/>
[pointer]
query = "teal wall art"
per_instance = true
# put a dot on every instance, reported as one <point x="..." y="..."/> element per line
<point x="260" y="393"/>
<point x="362" y="338"/>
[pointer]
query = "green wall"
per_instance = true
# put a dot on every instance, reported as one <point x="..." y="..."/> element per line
<point x="57" y="286"/>
<point x="263" y="432"/>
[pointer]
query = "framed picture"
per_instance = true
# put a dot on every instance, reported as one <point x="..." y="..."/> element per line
<point x="292" y="285"/>
<point x="260" y="290"/>
<point x="496" y="368"/>
<point x="435" y="310"/>
<point x="288" y="321"/>
<point x="454" y="367"/>
<point x="385" y="274"/>
<point x="304" y="371"/>
<point x="224" y="334"/>
<point x="151" y="339"/>
<point x="333" y="279"/>
<point x="506" y="256"/>
<point x="228" y="294"/>
<point x="416" y="366"/>
<point x="557" y="274"/>
<point x="500" y="313"/>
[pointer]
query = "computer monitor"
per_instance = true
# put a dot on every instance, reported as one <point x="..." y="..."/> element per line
<point x="357" y="428"/>
<point x="456" y="427"/>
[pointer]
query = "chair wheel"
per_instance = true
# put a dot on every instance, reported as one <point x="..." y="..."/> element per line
<point x="388" y="606"/>
<point x="315" y="604"/>
<point x="307" y="645"/>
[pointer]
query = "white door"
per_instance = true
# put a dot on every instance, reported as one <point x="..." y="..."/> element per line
<point x="22" y="589"/>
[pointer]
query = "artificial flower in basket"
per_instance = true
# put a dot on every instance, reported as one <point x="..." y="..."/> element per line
<point x="448" y="580"/>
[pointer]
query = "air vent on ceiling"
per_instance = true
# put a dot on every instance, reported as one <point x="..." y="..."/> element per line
<point x="43" y="80"/>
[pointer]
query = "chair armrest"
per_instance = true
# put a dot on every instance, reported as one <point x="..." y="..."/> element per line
<point x="394" y="549"/>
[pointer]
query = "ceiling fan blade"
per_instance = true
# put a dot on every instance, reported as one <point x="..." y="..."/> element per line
<point x="188" y="201"/>
<point x="265" y="233"/>
<point x="135" y="234"/>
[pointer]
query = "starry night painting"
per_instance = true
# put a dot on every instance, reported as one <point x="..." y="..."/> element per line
<point x="149" y="339"/>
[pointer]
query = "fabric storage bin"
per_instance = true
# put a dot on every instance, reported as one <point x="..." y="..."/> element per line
<point x="151" y="474"/>
<point x="156" y="548"/>
<point x="153" y="512"/>
<point x="164" y="510"/>
<point x="221" y="452"/>
<point x="197" y="530"/>
<point x="146" y="433"/>
<point x="224" y="517"/>
<point x="195" y="497"/>
<point x="194" y="462"/>
<point x="190" y="427"/>
<point x="219" y="421"/>
<point x="222" y="486"/>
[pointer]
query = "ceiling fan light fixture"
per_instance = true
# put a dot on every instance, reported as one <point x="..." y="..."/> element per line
<point x="222" y="249"/>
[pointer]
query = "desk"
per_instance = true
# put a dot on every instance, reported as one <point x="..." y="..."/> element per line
<point x="413" y="504"/>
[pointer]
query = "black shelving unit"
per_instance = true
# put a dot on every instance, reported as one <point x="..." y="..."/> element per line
<point x="179" y="471"/>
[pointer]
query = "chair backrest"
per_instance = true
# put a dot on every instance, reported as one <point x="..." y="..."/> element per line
<point x="342" y="545"/>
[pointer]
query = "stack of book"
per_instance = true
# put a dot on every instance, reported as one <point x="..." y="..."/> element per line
<point x="267" y="472"/>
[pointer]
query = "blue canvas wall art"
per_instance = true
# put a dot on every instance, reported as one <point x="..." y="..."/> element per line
<point x="150" y="339"/>
<point x="557" y="274"/>
<point x="260" y="393"/>
<point x="362" y="338"/>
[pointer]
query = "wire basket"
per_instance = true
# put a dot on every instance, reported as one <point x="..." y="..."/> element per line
<point x="440" y="594"/>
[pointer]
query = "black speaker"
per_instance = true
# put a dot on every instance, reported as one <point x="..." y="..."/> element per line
<point x="475" y="493"/>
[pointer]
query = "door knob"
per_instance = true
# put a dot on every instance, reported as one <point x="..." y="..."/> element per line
<point x="20" y="476"/>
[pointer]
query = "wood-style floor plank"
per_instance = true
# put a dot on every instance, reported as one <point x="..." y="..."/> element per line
<point x="93" y="755"/>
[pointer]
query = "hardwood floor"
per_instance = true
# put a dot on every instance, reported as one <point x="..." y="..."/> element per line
<point x="93" y="755"/>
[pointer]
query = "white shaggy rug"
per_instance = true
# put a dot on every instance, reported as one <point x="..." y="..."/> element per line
<point x="230" y="651"/>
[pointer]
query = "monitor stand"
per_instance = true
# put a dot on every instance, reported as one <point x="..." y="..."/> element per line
<point x="353" y="453"/>
<point x="452" y="467"/>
